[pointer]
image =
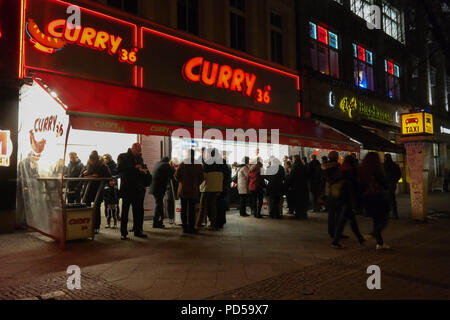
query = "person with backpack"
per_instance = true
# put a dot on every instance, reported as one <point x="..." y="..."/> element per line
<point x="393" y="175"/>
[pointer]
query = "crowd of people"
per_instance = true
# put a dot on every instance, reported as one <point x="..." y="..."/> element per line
<point x="203" y="186"/>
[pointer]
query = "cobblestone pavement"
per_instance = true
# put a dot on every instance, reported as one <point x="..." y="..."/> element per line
<point x="249" y="259"/>
<point x="418" y="267"/>
<point x="54" y="288"/>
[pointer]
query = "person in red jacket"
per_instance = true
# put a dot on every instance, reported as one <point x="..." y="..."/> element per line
<point x="256" y="189"/>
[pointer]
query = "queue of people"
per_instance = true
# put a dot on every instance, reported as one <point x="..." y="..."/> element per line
<point x="203" y="186"/>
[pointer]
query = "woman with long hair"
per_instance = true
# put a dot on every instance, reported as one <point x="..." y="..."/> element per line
<point x="374" y="187"/>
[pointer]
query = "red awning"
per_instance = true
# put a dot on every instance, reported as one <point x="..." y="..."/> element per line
<point x="105" y="107"/>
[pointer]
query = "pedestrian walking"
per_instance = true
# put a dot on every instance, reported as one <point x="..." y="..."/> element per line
<point x="189" y="175"/>
<point x="161" y="174"/>
<point x="374" y="187"/>
<point x="349" y="198"/>
<point x="242" y="185"/>
<point x="256" y="188"/>
<point x="334" y="183"/>
<point x="393" y="175"/>
<point x="135" y="177"/>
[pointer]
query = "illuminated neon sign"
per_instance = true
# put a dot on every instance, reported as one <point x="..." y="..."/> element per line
<point x="370" y="111"/>
<point x="417" y="123"/>
<point x="5" y="148"/>
<point x="224" y="77"/>
<point x="60" y="33"/>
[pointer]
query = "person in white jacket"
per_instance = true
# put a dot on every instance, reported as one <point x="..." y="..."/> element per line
<point x="242" y="185"/>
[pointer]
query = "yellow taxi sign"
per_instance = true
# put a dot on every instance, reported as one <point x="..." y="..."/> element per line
<point x="417" y="123"/>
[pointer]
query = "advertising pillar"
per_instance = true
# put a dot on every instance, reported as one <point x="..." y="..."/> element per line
<point x="417" y="134"/>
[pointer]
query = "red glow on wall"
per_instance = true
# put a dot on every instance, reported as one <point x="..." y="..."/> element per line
<point x="23" y="8"/>
<point x="322" y="34"/>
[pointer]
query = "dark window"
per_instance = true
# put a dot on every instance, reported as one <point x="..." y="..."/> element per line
<point x="277" y="47"/>
<point x="276" y="38"/>
<point x="276" y="20"/>
<point x="237" y="24"/>
<point x="130" y="6"/>
<point x="237" y="4"/>
<point x="188" y="15"/>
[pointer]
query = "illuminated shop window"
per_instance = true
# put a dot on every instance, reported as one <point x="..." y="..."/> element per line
<point x="324" y="46"/>
<point x="392" y="71"/>
<point x="362" y="8"/>
<point x="363" y="67"/>
<point x="276" y="37"/>
<point x="393" y="22"/>
<point x="130" y="6"/>
<point x="188" y="15"/>
<point x="237" y="24"/>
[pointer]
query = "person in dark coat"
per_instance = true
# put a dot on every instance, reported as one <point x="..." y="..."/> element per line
<point x="171" y="195"/>
<point x="393" y="175"/>
<point x="256" y="188"/>
<point x="350" y="199"/>
<point x="111" y="197"/>
<point x="222" y="200"/>
<point x="95" y="168"/>
<point x="134" y="177"/>
<point x="111" y="164"/>
<point x="315" y="181"/>
<point x="189" y="175"/>
<point x="161" y="174"/>
<point x="275" y="176"/>
<point x="374" y="186"/>
<point x="334" y="183"/>
<point x="74" y="170"/>
<point x="298" y="183"/>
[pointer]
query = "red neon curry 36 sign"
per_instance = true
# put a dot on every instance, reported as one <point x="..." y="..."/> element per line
<point x="60" y="33"/>
<point x="224" y="77"/>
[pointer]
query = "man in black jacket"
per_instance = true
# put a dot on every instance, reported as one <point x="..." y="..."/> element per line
<point x="161" y="175"/>
<point x="74" y="170"/>
<point x="134" y="175"/>
<point x="335" y="182"/>
<point x="393" y="175"/>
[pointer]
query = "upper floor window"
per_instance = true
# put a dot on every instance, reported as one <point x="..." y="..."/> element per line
<point x="130" y="6"/>
<point x="188" y="15"/>
<point x="363" y="67"/>
<point x="237" y="24"/>
<point x="324" y="47"/>
<point x="433" y="85"/>
<point x="276" y="37"/>
<point x="393" y="22"/>
<point x="362" y="8"/>
<point x="392" y="71"/>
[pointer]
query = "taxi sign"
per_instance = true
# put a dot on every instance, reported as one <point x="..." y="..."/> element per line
<point x="418" y="123"/>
